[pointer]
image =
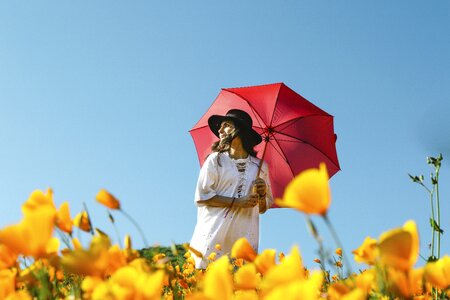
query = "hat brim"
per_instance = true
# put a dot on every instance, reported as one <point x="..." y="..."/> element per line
<point x="215" y="121"/>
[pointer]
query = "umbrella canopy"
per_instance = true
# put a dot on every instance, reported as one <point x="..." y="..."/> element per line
<point x="297" y="135"/>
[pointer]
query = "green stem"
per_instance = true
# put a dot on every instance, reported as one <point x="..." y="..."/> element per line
<point x="433" y="232"/>
<point x="338" y="243"/>
<point x="111" y="219"/>
<point x="136" y="225"/>
<point x="438" y="214"/>
<point x="321" y="251"/>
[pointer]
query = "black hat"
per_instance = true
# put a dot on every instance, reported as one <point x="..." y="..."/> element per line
<point x="241" y="119"/>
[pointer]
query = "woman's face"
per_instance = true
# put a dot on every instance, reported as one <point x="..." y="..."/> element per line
<point x="225" y="129"/>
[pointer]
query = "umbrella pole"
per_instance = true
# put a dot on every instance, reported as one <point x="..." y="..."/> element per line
<point x="262" y="157"/>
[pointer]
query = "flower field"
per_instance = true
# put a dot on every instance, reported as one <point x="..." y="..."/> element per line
<point x="41" y="259"/>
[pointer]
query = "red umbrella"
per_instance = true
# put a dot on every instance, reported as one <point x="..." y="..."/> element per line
<point x="297" y="135"/>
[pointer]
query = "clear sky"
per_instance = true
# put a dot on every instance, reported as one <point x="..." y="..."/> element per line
<point x="102" y="94"/>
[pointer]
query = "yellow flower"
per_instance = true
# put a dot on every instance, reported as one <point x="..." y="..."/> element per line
<point x="140" y="285"/>
<point x="89" y="284"/>
<point x="212" y="256"/>
<point x="107" y="199"/>
<point x="308" y="192"/>
<point x="218" y="247"/>
<point x="243" y="249"/>
<point x="265" y="261"/>
<point x="246" y="277"/>
<point x="399" y="248"/>
<point x="304" y="289"/>
<point x="438" y="273"/>
<point x="245" y="295"/>
<point x="82" y="221"/>
<point x="289" y="270"/>
<point x="218" y="282"/>
<point x="338" y="251"/>
<point x="63" y="220"/>
<point x="99" y="260"/>
<point x="367" y="252"/>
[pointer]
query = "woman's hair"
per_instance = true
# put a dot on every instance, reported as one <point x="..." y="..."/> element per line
<point x="225" y="144"/>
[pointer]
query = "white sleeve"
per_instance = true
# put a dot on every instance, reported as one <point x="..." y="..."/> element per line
<point x="207" y="180"/>
<point x="265" y="175"/>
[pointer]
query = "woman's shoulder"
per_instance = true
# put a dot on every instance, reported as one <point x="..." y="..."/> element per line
<point x="211" y="158"/>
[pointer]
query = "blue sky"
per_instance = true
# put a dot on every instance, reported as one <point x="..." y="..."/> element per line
<point x="102" y="94"/>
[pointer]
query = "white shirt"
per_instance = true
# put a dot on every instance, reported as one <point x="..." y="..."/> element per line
<point x="214" y="225"/>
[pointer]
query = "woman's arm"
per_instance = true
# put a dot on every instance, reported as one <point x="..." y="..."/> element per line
<point x="221" y="201"/>
<point x="217" y="201"/>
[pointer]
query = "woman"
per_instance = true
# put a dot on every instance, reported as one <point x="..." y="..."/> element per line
<point x="228" y="197"/>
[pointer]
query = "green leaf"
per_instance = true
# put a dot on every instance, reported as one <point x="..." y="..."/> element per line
<point x="435" y="226"/>
<point x="418" y="179"/>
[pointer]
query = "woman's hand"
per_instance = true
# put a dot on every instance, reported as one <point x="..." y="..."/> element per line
<point x="259" y="187"/>
<point x="251" y="200"/>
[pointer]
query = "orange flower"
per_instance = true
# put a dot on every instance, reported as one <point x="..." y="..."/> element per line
<point x="99" y="260"/>
<point x="243" y="249"/>
<point x="32" y="235"/>
<point x="399" y="248"/>
<point x="338" y="251"/>
<point x="317" y="260"/>
<point x="438" y="273"/>
<point x="63" y="220"/>
<point x="7" y="282"/>
<point x="265" y="261"/>
<point x="367" y="252"/>
<point x="107" y="199"/>
<point x="37" y="200"/>
<point x="19" y="295"/>
<point x="83" y="221"/>
<point x="405" y="284"/>
<point x="7" y="257"/>
<point x="308" y="192"/>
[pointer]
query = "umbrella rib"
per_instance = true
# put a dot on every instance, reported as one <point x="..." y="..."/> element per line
<point x="276" y="102"/>
<point x="293" y="137"/>
<point x="281" y="153"/>
<point x="292" y="121"/>
<point x="251" y="106"/>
